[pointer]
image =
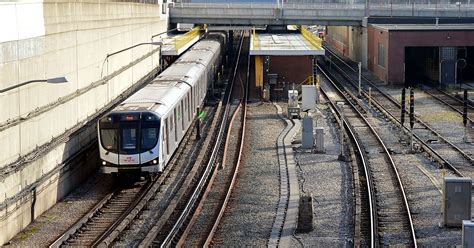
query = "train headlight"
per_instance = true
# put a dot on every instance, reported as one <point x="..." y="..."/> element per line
<point x="155" y="161"/>
<point x="104" y="163"/>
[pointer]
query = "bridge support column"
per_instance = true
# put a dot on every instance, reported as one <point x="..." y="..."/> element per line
<point x="231" y="41"/>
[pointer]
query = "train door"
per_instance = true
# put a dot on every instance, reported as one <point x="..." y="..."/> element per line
<point x="189" y="107"/>
<point x="181" y="113"/>
<point x="167" y="137"/>
<point x="176" y="126"/>
<point x="128" y="143"/>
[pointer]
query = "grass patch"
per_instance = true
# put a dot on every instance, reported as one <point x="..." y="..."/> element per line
<point x="441" y="116"/>
<point x="28" y="232"/>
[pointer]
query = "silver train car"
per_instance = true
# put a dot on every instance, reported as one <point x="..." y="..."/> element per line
<point x="141" y="134"/>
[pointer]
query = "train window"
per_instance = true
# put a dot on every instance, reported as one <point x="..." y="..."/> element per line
<point x="109" y="139"/>
<point x="176" y="129"/>
<point x="149" y="138"/>
<point x="129" y="139"/>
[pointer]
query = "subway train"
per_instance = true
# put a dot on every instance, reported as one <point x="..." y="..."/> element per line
<point x="141" y="134"/>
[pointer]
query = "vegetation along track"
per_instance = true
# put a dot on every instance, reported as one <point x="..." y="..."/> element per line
<point x="446" y="153"/>
<point x="173" y="233"/>
<point x="452" y="102"/>
<point x="393" y="222"/>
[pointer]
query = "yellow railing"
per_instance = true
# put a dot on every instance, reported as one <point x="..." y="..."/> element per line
<point x="184" y="39"/>
<point x="254" y="39"/>
<point x="308" y="81"/>
<point x="311" y="38"/>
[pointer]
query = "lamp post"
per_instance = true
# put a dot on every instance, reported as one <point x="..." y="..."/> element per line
<point x="56" y="80"/>
<point x="156" y="43"/>
<point x="120" y="51"/>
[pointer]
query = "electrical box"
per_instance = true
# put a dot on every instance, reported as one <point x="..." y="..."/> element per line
<point x="467" y="233"/>
<point x="308" y="93"/>
<point x="456" y="205"/>
<point x="272" y="78"/>
<point x="307" y="141"/>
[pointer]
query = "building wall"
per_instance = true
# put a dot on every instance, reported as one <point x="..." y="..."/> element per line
<point x="291" y="69"/>
<point x="376" y="37"/>
<point x="54" y="38"/>
<point x="338" y="37"/>
<point x="401" y="39"/>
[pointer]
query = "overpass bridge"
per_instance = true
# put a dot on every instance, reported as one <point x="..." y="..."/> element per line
<point x="334" y="14"/>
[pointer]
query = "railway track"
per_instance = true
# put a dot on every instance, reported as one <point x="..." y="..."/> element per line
<point x="388" y="213"/>
<point x="106" y="221"/>
<point x="452" y="102"/>
<point x="232" y="153"/>
<point x="174" y="232"/>
<point x="448" y="154"/>
<point x="104" y="217"/>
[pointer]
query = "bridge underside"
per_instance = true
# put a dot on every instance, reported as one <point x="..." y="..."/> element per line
<point x="269" y="21"/>
<point x="308" y="14"/>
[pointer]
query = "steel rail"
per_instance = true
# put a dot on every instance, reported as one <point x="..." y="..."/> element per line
<point x="63" y="238"/>
<point x="392" y="163"/>
<point x="88" y="216"/>
<point x="391" y="99"/>
<point x="469" y="105"/>
<point x="368" y="178"/>
<point x="243" y="103"/>
<point x="202" y="182"/>
<point x="449" y="104"/>
<point x="425" y="145"/>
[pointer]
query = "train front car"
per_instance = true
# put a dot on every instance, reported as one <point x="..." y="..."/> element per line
<point x="129" y="142"/>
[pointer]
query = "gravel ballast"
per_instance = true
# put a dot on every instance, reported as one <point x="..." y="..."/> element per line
<point x="253" y="204"/>
<point x="54" y="222"/>
<point x="329" y="181"/>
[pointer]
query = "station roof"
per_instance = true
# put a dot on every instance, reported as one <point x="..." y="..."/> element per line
<point x="283" y="44"/>
<point x="176" y="44"/>
<point x="422" y="27"/>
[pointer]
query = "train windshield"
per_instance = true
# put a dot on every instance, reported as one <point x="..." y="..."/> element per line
<point x="149" y="138"/>
<point x="109" y="139"/>
<point x="129" y="133"/>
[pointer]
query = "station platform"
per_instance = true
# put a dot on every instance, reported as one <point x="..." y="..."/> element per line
<point x="286" y="44"/>
<point x="176" y="44"/>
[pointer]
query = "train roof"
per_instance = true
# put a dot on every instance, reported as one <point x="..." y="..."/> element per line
<point x="162" y="92"/>
<point x="174" y="82"/>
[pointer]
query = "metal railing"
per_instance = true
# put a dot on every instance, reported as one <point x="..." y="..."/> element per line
<point x="311" y="38"/>
<point x="181" y="41"/>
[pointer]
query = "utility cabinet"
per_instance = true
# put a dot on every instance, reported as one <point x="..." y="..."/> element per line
<point x="309" y="97"/>
<point x="307" y="141"/>
<point x="456" y="205"/>
<point x="467" y="233"/>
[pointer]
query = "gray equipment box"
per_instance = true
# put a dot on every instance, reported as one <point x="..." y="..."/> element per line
<point x="467" y="234"/>
<point x="320" y="140"/>
<point x="272" y="78"/>
<point x="307" y="141"/>
<point x="456" y="200"/>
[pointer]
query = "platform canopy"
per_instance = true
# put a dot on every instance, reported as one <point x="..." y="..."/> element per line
<point x="285" y="44"/>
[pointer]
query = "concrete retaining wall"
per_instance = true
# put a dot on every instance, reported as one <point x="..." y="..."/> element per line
<point x="61" y="38"/>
